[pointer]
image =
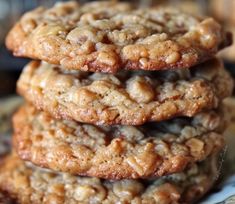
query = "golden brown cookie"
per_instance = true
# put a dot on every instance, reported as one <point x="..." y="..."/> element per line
<point x="127" y="98"/>
<point x="30" y="184"/>
<point x="109" y="36"/>
<point x="116" y="152"/>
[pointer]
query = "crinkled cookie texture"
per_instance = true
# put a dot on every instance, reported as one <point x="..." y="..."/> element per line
<point x="109" y="36"/>
<point x="30" y="184"/>
<point x="127" y="98"/>
<point x="116" y="152"/>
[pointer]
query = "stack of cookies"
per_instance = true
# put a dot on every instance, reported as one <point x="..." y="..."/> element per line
<point x="124" y="105"/>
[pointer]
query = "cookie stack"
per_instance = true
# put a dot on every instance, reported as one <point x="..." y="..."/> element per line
<point x="123" y="105"/>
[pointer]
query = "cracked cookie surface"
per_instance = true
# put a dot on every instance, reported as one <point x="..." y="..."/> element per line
<point x="116" y="152"/>
<point x="109" y="36"/>
<point x="127" y="98"/>
<point x="30" y="184"/>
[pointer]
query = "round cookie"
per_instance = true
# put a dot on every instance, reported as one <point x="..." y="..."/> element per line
<point x="127" y="98"/>
<point x="116" y="152"/>
<point x="109" y="36"/>
<point x="30" y="184"/>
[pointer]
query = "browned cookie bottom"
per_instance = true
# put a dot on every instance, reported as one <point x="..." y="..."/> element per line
<point x="30" y="184"/>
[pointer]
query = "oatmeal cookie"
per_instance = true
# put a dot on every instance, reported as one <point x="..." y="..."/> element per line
<point x="109" y="36"/>
<point x="127" y="98"/>
<point x="116" y="152"/>
<point x="31" y="184"/>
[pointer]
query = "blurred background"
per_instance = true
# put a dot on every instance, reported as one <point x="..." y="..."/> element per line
<point x="11" y="10"/>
